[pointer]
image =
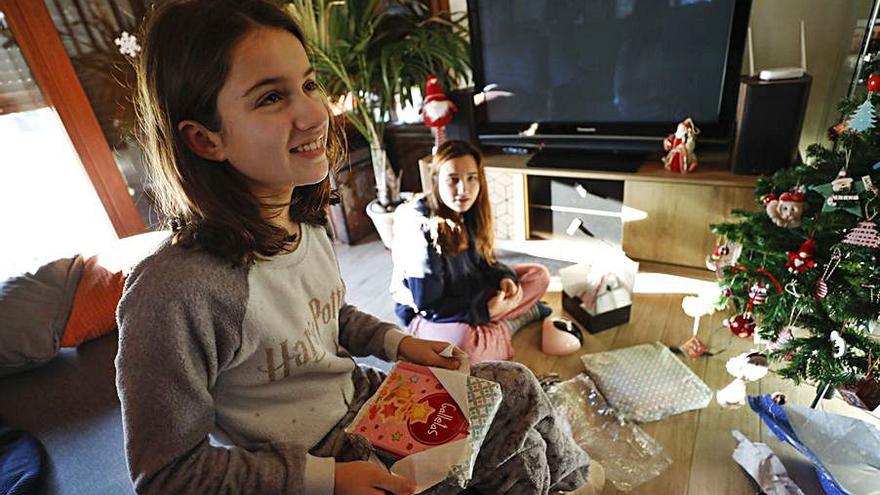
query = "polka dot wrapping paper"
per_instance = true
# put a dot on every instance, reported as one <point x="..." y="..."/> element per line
<point x="646" y="382"/>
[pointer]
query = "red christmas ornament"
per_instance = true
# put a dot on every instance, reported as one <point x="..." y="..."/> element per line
<point x="820" y="290"/>
<point x="794" y="197"/>
<point x="694" y="347"/>
<point x="758" y="293"/>
<point x="874" y="82"/>
<point x="768" y="198"/>
<point x="802" y="260"/>
<point x="741" y="325"/>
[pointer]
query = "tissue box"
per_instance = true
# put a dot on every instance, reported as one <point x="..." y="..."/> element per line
<point x="410" y="413"/>
<point x="593" y="321"/>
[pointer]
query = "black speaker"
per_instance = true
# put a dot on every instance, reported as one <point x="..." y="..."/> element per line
<point x="462" y="126"/>
<point x="769" y="118"/>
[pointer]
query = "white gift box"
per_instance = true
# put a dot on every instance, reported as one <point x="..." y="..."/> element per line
<point x="597" y="292"/>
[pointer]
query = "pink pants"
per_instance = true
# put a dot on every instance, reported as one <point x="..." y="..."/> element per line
<point x="489" y="341"/>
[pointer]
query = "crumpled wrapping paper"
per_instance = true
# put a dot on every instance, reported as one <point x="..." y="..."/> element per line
<point x="844" y="450"/>
<point x="646" y="382"/>
<point x="629" y="455"/>
<point x="763" y="466"/>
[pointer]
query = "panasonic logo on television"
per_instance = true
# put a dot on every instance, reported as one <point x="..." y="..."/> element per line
<point x="586" y="129"/>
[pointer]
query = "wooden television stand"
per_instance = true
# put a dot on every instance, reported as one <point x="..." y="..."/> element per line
<point x="654" y="214"/>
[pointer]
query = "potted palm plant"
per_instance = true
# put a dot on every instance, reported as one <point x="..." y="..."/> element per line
<point x="371" y="55"/>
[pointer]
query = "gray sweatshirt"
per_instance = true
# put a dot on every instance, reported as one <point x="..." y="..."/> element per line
<point x="229" y="375"/>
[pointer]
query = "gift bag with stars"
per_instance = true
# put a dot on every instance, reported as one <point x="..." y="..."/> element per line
<point x="429" y="423"/>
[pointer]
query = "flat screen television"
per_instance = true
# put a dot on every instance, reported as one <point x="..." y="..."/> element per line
<point x="612" y="76"/>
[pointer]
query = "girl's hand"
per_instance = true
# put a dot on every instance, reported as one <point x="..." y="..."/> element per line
<point x="511" y="289"/>
<point x="505" y="299"/>
<point x="362" y="477"/>
<point x="426" y="352"/>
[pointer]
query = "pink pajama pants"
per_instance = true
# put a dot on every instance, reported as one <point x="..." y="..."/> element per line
<point x="489" y="341"/>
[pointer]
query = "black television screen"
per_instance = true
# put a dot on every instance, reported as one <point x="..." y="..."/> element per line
<point x="625" y="67"/>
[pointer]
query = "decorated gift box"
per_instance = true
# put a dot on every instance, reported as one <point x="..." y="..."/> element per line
<point x="429" y="423"/>
<point x="597" y="292"/>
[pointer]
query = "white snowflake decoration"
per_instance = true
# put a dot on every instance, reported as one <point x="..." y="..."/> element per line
<point x="128" y="44"/>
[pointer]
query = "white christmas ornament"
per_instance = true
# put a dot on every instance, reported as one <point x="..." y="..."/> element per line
<point x="702" y="304"/>
<point x="838" y="344"/>
<point x="749" y="366"/>
<point x="733" y="396"/>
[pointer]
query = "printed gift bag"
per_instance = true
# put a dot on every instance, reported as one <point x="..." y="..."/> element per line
<point x="429" y="422"/>
<point x="410" y="413"/>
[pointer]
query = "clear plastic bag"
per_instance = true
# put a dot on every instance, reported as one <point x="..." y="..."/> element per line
<point x="629" y="455"/>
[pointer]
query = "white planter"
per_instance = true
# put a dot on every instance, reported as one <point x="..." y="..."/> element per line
<point x="384" y="222"/>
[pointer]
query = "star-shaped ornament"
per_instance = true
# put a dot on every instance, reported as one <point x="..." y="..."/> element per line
<point x="842" y="194"/>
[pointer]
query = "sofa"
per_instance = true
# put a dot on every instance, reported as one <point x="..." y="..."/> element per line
<point x="58" y="343"/>
<point x="70" y="405"/>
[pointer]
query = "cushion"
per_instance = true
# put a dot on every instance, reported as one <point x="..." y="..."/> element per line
<point x="34" y="308"/>
<point x="94" y="305"/>
<point x="646" y="382"/>
<point x="21" y="463"/>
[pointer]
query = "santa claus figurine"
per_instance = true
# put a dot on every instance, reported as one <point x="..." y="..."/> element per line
<point x="786" y="210"/>
<point x="680" y="146"/>
<point x="436" y="110"/>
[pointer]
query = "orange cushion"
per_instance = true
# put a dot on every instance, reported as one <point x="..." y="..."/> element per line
<point x="94" y="304"/>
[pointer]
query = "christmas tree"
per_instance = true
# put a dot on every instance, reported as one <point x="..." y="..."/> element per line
<point x="804" y="275"/>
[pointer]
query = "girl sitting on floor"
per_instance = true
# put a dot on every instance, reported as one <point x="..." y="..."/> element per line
<point x="447" y="284"/>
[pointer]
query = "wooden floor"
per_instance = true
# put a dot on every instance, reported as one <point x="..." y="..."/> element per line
<point x="699" y="442"/>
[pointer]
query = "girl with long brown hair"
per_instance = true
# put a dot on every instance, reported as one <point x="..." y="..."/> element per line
<point x="447" y="283"/>
<point x="235" y="369"/>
